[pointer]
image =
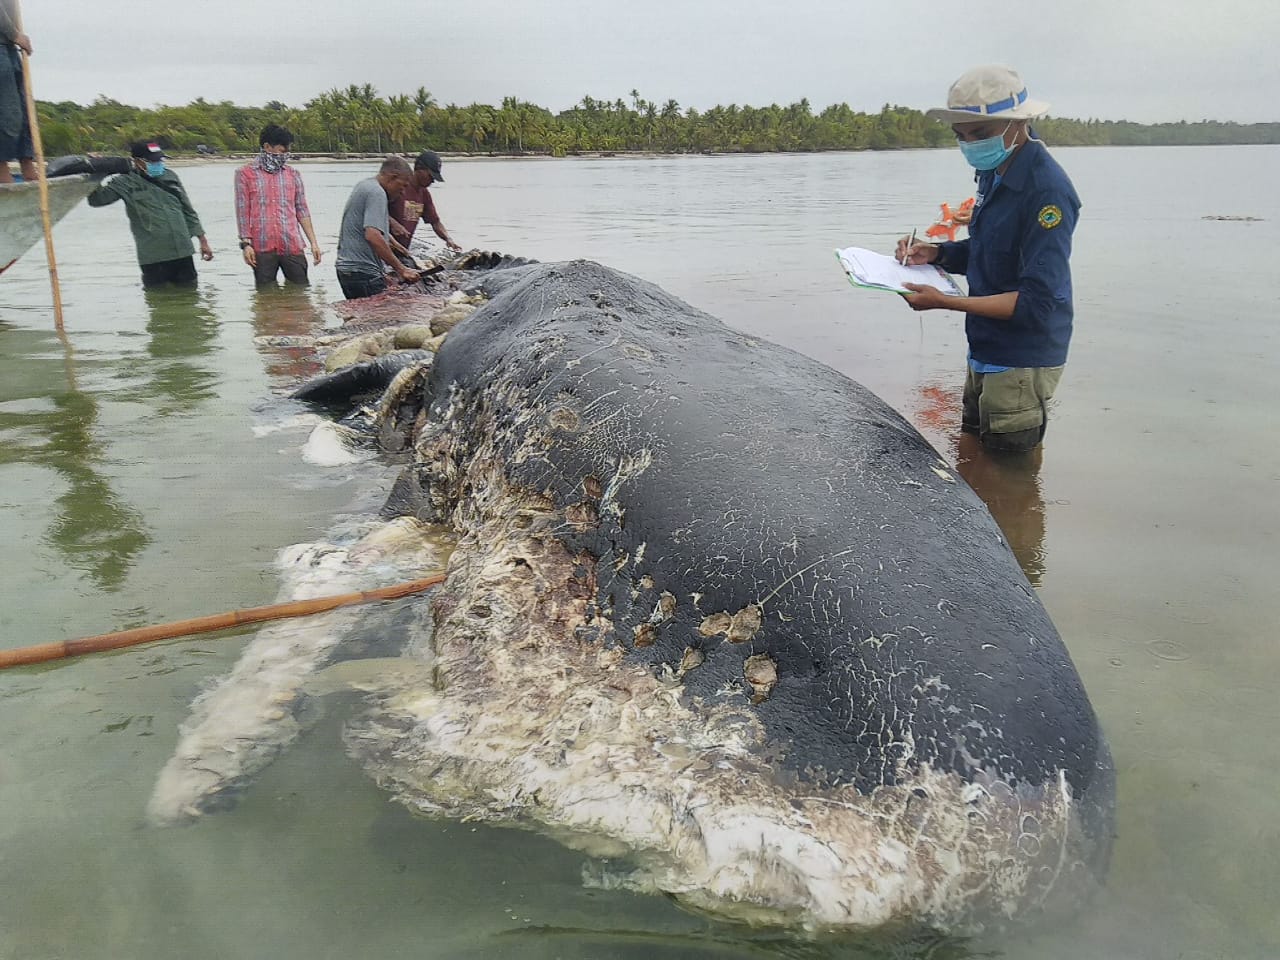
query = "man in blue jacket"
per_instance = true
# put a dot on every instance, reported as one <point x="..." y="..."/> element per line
<point x="1018" y="314"/>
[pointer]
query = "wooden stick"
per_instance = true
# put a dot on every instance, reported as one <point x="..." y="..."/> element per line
<point x="34" y="121"/>
<point x="43" y="652"/>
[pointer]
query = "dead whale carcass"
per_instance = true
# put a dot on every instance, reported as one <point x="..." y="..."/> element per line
<point x="719" y="608"/>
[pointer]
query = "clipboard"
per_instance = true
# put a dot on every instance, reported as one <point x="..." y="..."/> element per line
<point x="875" y="271"/>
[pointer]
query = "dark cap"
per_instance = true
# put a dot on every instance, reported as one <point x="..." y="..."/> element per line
<point x="146" y="150"/>
<point x="429" y="160"/>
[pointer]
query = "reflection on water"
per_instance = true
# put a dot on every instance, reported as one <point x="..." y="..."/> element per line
<point x="724" y="943"/>
<point x="182" y="324"/>
<point x="92" y="527"/>
<point x="287" y="311"/>
<point x="1009" y="484"/>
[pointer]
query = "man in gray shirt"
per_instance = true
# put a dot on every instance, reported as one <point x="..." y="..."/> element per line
<point x="362" y="240"/>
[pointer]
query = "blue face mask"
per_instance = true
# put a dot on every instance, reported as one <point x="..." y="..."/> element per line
<point x="155" y="169"/>
<point x="986" y="154"/>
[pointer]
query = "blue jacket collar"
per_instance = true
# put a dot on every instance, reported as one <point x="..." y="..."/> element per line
<point x="1016" y="177"/>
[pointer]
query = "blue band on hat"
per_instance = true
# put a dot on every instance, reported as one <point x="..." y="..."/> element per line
<point x="998" y="106"/>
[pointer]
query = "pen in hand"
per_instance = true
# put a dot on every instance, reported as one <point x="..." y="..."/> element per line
<point x="910" y="243"/>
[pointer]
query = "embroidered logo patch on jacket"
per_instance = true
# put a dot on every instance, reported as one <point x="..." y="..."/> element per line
<point x="1049" y="217"/>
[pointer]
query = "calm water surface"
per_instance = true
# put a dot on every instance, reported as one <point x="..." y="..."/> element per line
<point x="152" y="472"/>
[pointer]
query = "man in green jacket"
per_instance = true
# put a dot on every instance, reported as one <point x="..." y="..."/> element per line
<point x="160" y="216"/>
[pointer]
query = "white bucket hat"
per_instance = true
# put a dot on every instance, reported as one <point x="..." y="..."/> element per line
<point x="990" y="91"/>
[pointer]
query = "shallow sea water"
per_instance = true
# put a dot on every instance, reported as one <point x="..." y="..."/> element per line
<point x="152" y="472"/>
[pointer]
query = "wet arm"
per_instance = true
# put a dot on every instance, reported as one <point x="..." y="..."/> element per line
<point x="379" y="244"/>
<point x="398" y="232"/>
<point x="443" y="234"/>
<point x="303" y="213"/>
<point x="310" y="233"/>
<point x="397" y="247"/>
<point x="954" y="258"/>
<point x="997" y="306"/>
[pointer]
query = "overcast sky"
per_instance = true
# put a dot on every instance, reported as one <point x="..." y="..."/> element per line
<point x="1145" y="60"/>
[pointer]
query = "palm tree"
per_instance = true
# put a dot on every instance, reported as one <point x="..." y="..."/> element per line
<point x="427" y="109"/>
<point x="650" y="123"/>
<point x="506" y="121"/>
<point x="378" y="113"/>
<point x="402" y="119"/>
<point x="356" y="118"/>
<point x="424" y="102"/>
<point x="478" y="121"/>
<point x="670" y="124"/>
<point x="534" y="125"/>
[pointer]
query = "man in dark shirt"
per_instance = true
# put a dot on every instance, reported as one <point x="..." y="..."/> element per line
<point x="1018" y="314"/>
<point x="416" y="204"/>
<point x="15" y="127"/>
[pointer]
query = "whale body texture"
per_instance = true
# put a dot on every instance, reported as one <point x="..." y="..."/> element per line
<point x="718" y="609"/>
<point x="719" y="614"/>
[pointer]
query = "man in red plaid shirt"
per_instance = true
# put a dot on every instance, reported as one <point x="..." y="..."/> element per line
<point x="271" y="206"/>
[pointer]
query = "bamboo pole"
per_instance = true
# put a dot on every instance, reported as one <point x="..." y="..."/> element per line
<point x="34" y="121"/>
<point x="58" y="650"/>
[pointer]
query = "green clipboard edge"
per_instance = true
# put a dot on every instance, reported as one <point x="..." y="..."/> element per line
<point x="951" y="289"/>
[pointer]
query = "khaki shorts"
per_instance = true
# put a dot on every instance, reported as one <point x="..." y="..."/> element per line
<point x="1009" y="410"/>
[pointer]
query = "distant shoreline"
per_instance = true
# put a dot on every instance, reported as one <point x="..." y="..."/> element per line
<point x="186" y="158"/>
<point x="190" y="159"/>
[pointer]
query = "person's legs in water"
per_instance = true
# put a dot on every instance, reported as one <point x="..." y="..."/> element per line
<point x="969" y="422"/>
<point x="294" y="268"/>
<point x="357" y="286"/>
<point x="180" y="273"/>
<point x="1012" y="406"/>
<point x="20" y="148"/>
<point x="265" y="268"/>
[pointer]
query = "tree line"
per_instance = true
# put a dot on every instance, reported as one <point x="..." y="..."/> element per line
<point x="357" y="119"/>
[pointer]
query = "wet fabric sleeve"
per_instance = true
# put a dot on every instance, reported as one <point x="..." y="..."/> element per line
<point x="243" y="227"/>
<point x="954" y="256"/>
<point x="301" y="210"/>
<point x="109" y="192"/>
<point x="376" y="212"/>
<point x="1044" y="279"/>
<point x="188" y="211"/>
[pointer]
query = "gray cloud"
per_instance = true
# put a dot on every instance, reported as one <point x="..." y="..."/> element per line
<point x="1146" y="60"/>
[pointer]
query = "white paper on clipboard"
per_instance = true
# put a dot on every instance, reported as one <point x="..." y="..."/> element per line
<point x="866" y="268"/>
